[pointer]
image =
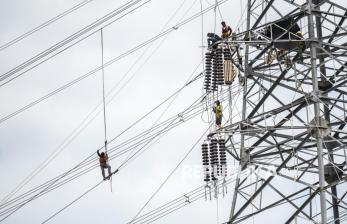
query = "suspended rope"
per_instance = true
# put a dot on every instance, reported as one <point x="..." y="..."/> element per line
<point x="108" y="63"/>
<point x="91" y="167"/>
<point x="90" y="164"/>
<point x="103" y="100"/>
<point x="103" y="87"/>
<point x="89" y="118"/>
<point x="153" y="195"/>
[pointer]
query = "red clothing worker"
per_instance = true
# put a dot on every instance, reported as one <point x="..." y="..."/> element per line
<point x="226" y="30"/>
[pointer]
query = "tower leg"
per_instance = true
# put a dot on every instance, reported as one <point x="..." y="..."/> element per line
<point x="313" y="54"/>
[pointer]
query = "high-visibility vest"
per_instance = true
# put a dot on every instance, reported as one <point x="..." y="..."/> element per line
<point x="218" y="109"/>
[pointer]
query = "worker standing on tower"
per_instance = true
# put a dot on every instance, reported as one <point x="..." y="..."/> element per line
<point x="301" y="47"/>
<point x="212" y="38"/>
<point x="226" y="30"/>
<point x="218" y="110"/>
<point x="103" y="159"/>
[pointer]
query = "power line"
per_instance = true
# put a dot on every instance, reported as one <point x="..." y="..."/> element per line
<point x="46" y="187"/>
<point x="71" y="178"/>
<point x="69" y="39"/>
<point x="43" y="25"/>
<point x="178" y="203"/>
<point x="77" y="175"/>
<point x="23" y="204"/>
<point x="189" y="198"/>
<point x="80" y="128"/>
<point x="149" y="144"/>
<point x="65" y="181"/>
<point x="89" y="190"/>
<point x="68" y="205"/>
<point x="136" y="122"/>
<point x="35" y="196"/>
<point x="73" y="135"/>
<point x="132" y="140"/>
<point x="168" y="177"/>
<point x="119" y="57"/>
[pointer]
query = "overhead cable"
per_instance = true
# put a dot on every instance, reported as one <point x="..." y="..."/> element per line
<point x="45" y="24"/>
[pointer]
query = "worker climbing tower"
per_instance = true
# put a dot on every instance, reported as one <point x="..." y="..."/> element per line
<point x="291" y="64"/>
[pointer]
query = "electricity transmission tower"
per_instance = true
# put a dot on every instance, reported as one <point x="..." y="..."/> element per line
<point x="292" y="60"/>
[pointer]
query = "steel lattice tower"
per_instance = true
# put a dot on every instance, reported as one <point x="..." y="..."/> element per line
<point x="292" y="58"/>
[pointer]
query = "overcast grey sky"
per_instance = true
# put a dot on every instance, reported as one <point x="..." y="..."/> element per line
<point x="30" y="137"/>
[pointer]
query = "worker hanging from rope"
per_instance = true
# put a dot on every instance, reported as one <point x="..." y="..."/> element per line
<point x="103" y="159"/>
<point x="218" y="110"/>
<point x="226" y="30"/>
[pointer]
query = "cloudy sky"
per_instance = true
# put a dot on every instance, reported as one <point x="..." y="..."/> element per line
<point x="71" y="122"/>
<point x="30" y="137"/>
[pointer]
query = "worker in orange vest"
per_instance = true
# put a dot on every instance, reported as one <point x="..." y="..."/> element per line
<point x="103" y="159"/>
